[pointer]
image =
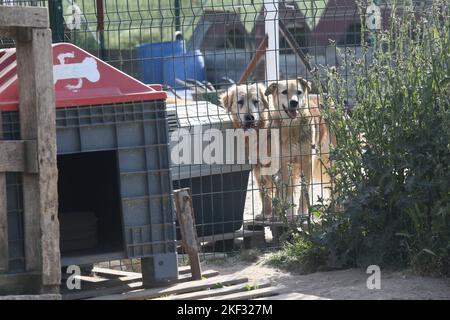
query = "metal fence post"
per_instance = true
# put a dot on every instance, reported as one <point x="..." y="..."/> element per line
<point x="272" y="30"/>
<point x="55" y="10"/>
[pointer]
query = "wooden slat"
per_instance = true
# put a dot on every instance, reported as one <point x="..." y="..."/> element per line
<point x="83" y="278"/>
<point x="264" y="292"/>
<point x="85" y="294"/>
<point x="175" y="289"/>
<point x="214" y="292"/>
<point x="184" y="270"/>
<point x="229" y="235"/>
<point x="27" y="17"/>
<point x="114" y="272"/>
<point x="293" y="296"/>
<point x="124" y="275"/>
<point x="8" y="33"/>
<point x="12" y="156"/>
<point x="32" y="297"/>
<point x="95" y="283"/>
<point x="4" y="251"/>
<point x="38" y="122"/>
<point x="185" y="216"/>
<point x="18" y="156"/>
<point x="116" y="286"/>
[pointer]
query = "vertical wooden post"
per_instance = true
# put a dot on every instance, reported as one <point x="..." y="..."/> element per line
<point x="185" y="216"/>
<point x="4" y="253"/>
<point x="38" y="123"/>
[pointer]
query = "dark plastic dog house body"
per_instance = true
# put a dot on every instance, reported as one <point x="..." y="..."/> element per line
<point x="218" y="190"/>
<point x="114" y="174"/>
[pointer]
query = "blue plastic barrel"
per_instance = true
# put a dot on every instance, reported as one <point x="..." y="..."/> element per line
<point x="151" y="56"/>
<point x="195" y="65"/>
<point x="164" y="62"/>
<point x="190" y="65"/>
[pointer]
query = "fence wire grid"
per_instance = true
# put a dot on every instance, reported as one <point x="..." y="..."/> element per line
<point x="199" y="50"/>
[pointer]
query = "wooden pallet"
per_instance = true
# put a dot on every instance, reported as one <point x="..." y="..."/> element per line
<point x="108" y="284"/>
<point x="250" y="238"/>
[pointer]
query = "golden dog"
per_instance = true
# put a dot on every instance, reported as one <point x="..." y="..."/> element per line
<point x="249" y="109"/>
<point x="298" y="118"/>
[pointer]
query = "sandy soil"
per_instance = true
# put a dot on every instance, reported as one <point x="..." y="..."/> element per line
<point x="340" y="285"/>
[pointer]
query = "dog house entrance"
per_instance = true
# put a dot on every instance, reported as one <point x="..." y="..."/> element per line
<point x="89" y="212"/>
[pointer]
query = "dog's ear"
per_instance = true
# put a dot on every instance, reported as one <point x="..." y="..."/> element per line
<point x="227" y="98"/>
<point x="262" y="96"/>
<point x="271" y="89"/>
<point x="305" y="82"/>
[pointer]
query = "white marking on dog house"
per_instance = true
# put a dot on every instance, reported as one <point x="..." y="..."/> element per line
<point x="87" y="69"/>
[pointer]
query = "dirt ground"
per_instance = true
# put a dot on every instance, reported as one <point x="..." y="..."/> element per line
<point x="340" y="285"/>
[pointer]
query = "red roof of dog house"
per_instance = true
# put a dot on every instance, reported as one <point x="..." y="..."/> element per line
<point x="80" y="79"/>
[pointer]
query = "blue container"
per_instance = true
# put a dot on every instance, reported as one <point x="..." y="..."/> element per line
<point x="164" y="62"/>
<point x="190" y="65"/>
<point x="151" y="56"/>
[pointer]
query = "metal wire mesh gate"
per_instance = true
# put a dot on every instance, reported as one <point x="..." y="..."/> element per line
<point x="199" y="49"/>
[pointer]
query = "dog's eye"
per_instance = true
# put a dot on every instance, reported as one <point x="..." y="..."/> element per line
<point x="285" y="92"/>
<point x="299" y="92"/>
<point x="255" y="102"/>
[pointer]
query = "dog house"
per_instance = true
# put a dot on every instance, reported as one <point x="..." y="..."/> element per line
<point x="114" y="183"/>
<point x="226" y="46"/>
<point x="218" y="189"/>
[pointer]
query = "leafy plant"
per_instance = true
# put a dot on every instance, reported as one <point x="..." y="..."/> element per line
<point x="300" y="255"/>
<point x="249" y="286"/>
<point x="391" y="165"/>
<point x="391" y="162"/>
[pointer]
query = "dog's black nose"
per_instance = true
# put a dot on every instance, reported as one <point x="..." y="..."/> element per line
<point x="249" y="118"/>
<point x="293" y="104"/>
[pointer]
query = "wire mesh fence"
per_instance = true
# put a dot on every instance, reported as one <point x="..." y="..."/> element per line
<point x="227" y="65"/>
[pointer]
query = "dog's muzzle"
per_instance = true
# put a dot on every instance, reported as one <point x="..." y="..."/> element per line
<point x="292" y="110"/>
<point x="249" y="121"/>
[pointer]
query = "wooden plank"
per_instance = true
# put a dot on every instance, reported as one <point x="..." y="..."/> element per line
<point x="184" y="270"/>
<point x="85" y="294"/>
<point x="33" y="297"/>
<point x="175" y="289"/>
<point x="262" y="47"/>
<point x="206" y="256"/>
<point x="134" y="275"/>
<point x="293" y="296"/>
<point x="185" y="216"/>
<point x="8" y="33"/>
<point x="19" y="283"/>
<point x="114" y="272"/>
<point x="217" y="237"/>
<point x="38" y="122"/>
<point x="231" y="235"/>
<point x="4" y="251"/>
<point x="264" y="292"/>
<point x="23" y="17"/>
<point x="214" y="292"/>
<point x="107" y="288"/>
<point x="12" y="156"/>
<point x="96" y="283"/>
